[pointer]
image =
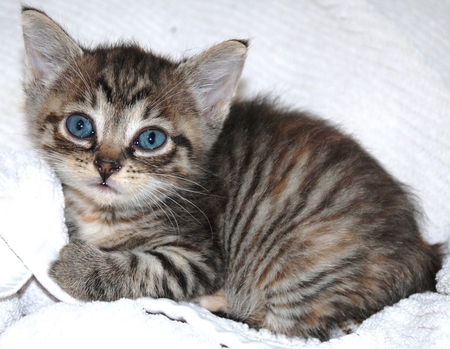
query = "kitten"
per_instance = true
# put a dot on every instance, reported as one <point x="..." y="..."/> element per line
<point x="273" y="217"/>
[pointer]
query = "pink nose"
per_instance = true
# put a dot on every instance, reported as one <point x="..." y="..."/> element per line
<point x="106" y="167"/>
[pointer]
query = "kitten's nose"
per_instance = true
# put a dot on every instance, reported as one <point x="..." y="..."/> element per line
<point x="106" y="167"/>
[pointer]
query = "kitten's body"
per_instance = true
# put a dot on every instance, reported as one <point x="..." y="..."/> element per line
<point x="296" y="225"/>
<point x="313" y="230"/>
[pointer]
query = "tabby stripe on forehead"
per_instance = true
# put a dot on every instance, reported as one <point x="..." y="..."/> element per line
<point x="140" y="95"/>
<point x="107" y="90"/>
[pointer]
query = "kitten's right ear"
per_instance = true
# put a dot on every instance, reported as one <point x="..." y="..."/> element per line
<point x="214" y="76"/>
<point x="48" y="47"/>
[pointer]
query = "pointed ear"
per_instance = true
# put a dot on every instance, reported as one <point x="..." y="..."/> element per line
<point x="214" y="76"/>
<point x="48" y="48"/>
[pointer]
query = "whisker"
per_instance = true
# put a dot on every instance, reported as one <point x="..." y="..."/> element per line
<point x="160" y="204"/>
<point x="185" y="180"/>
<point x="174" y="192"/>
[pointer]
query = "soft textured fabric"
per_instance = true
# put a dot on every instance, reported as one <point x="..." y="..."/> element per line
<point x="379" y="69"/>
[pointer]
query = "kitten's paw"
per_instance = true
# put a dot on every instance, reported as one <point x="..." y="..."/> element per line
<point x="74" y="269"/>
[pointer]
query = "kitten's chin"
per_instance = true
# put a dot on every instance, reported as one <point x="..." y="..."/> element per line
<point x="105" y="194"/>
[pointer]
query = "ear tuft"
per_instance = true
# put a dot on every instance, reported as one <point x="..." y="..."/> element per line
<point x="214" y="77"/>
<point x="48" y="47"/>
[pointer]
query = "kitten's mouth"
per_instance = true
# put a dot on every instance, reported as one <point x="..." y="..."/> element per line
<point x="104" y="187"/>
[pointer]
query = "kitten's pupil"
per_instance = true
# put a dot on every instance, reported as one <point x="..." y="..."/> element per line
<point x="151" y="137"/>
<point x="80" y="125"/>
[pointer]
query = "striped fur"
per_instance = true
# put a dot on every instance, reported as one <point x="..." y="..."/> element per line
<point x="314" y="231"/>
<point x="272" y="217"/>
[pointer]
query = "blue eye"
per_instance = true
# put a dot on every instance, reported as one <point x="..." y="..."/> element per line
<point x="79" y="126"/>
<point x="151" y="139"/>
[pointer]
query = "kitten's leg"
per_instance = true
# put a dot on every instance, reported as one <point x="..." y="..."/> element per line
<point x="216" y="302"/>
<point x="173" y="271"/>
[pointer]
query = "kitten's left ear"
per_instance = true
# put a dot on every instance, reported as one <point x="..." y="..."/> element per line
<point x="214" y="76"/>
<point x="48" y="47"/>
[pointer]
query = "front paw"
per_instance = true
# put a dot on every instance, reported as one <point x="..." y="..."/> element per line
<point x="74" y="270"/>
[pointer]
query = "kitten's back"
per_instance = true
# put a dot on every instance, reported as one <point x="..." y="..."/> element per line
<point x="315" y="232"/>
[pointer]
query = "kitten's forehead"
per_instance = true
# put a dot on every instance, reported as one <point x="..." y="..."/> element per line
<point x="129" y="74"/>
<point x="128" y="88"/>
<point x="120" y="123"/>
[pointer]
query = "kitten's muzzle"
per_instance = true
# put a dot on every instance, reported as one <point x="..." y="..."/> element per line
<point x="106" y="167"/>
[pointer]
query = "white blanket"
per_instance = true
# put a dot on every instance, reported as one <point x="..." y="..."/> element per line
<point x="380" y="69"/>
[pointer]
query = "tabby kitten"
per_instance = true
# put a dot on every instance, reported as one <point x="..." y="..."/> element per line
<point x="173" y="190"/>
